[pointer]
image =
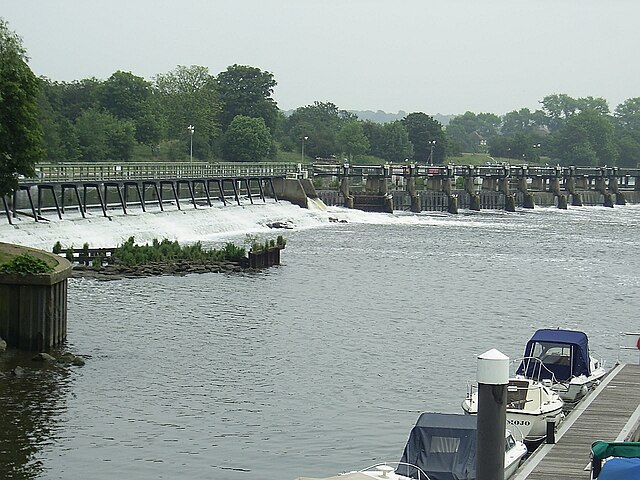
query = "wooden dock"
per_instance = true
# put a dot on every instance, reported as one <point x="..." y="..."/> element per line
<point x="611" y="413"/>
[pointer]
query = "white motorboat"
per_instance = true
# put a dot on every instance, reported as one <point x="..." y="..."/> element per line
<point x="529" y="405"/>
<point x="441" y="446"/>
<point x="563" y="357"/>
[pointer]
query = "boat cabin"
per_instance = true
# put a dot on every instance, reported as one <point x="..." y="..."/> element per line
<point x="556" y="354"/>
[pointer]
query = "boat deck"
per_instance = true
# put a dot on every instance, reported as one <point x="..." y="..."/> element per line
<point x="611" y="412"/>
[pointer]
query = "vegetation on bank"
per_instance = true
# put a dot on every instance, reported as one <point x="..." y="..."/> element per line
<point x="256" y="246"/>
<point x="130" y="254"/>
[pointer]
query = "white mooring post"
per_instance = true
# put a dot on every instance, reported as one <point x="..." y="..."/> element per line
<point x="493" y="380"/>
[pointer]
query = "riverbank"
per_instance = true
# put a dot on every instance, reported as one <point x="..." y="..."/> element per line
<point x="183" y="267"/>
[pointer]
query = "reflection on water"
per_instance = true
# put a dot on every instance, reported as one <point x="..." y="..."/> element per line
<point x="320" y="365"/>
<point x="33" y="395"/>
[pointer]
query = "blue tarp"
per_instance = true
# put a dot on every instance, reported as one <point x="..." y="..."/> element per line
<point x="620" y="469"/>
<point x="443" y="446"/>
<point x="545" y="338"/>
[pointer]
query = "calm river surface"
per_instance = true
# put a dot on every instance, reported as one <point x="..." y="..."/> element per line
<point x="322" y="364"/>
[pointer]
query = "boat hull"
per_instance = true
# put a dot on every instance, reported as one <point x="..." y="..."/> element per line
<point x="532" y="427"/>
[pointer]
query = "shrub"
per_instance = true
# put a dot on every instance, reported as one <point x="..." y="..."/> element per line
<point x="26" y="264"/>
<point x="166" y="250"/>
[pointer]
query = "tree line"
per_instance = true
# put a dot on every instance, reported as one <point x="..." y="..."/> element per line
<point x="233" y="116"/>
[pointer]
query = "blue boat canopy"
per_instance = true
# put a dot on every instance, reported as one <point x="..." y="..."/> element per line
<point x="564" y="353"/>
<point x="625" y="464"/>
<point x="442" y="445"/>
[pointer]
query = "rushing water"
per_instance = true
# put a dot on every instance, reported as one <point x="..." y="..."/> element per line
<point x="317" y="366"/>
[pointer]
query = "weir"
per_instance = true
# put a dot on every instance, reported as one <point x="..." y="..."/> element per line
<point x="109" y="186"/>
<point x="446" y="188"/>
<point x="381" y="188"/>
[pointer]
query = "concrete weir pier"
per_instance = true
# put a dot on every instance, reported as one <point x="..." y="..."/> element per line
<point x="33" y="308"/>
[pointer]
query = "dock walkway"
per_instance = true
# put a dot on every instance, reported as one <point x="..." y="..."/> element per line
<point x="611" y="413"/>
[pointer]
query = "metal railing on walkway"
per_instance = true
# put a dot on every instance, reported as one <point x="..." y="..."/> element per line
<point x="100" y="172"/>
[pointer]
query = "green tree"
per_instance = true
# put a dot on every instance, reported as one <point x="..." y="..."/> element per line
<point x="423" y="129"/>
<point x="520" y="146"/>
<point x="320" y="122"/>
<point x="247" y="139"/>
<point x="352" y="140"/>
<point x="188" y="96"/>
<point x="245" y="90"/>
<point x="471" y="132"/>
<point x="589" y="134"/>
<point x="627" y="115"/>
<point x="125" y="95"/>
<point x="60" y="141"/>
<point x="20" y="132"/>
<point x="149" y="130"/>
<point x="389" y="141"/>
<point x="102" y="136"/>
<point x="629" y="150"/>
<point x="524" y="121"/>
<point x="558" y="108"/>
<point x="71" y="99"/>
<point x="627" y="128"/>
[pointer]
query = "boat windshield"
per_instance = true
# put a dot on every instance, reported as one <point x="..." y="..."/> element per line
<point x="553" y="353"/>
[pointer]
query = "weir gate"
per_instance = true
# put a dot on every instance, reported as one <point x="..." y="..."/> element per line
<point x="424" y="187"/>
<point x="58" y="187"/>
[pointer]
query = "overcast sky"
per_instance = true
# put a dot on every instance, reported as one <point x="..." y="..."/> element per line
<point x="445" y="56"/>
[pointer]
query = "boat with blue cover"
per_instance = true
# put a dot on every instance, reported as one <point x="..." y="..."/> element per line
<point x="441" y="446"/>
<point x="615" y="460"/>
<point x="563" y="358"/>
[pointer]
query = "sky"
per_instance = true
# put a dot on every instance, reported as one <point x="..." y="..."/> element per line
<point x="438" y="57"/>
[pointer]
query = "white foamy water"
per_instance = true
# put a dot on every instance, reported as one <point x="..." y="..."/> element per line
<point x="187" y="225"/>
<point x="205" y="224"/>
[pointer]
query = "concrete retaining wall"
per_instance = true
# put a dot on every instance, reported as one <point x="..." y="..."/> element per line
<point x="294" y="190"/>
<point x="33" y="308"/>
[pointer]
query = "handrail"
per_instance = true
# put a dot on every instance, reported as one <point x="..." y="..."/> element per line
<point x="472" y="388"/>
<point x="418" y="469"/>
<point x="98" y="172"/>
<point x="521" y="360"/>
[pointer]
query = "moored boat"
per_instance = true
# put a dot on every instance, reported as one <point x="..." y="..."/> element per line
<point x="529" y="405"/>
<point x="441" y="446"/>
<point x="562" y="357"/>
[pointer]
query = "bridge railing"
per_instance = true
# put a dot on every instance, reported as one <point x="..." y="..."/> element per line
<point x="100" y="172"/>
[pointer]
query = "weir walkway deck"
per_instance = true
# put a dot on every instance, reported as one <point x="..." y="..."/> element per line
<point x="611" y="413"/>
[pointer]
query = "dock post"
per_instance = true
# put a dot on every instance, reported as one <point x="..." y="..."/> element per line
<point x="551" y="429"/>
<point x="493" y="379"/>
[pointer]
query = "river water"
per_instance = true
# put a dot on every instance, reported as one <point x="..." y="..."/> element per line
<point x="314" y="367"/>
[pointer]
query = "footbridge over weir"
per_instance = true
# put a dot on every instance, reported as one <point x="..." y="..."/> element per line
<point x="58" y="187"/>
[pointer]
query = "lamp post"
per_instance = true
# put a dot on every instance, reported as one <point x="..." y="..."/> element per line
<point x="191" y="129"/>
<point x="536" y="150"/>
<point x="432" y="143"/>
<point x="303" y="140"/>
